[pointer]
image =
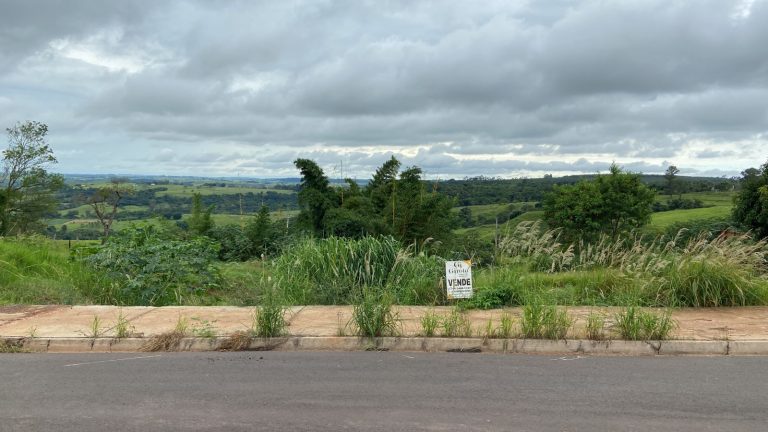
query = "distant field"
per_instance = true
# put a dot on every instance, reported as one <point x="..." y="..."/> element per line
<point x="665" y="219"/>
<point x="486" y="232"/>
<point x="721" y="203"/>
<point x="187" y="191"/>
<point x="490" y="210"/>
<point x="708" y="198"/>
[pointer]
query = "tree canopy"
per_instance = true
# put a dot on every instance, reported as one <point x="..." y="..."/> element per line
<point x="393" y="202"/>
<point x="26" y="188"/>
<point x="611" y="204"/>
<point x="751" y="203"/>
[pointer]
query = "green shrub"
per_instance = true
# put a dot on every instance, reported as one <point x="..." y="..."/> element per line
<point x="146" y="268"/>
<point x="496" y="287"/>
<point x="234" y="245"/>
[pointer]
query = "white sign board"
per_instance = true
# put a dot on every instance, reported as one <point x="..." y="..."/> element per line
<point x="458" y="279"/>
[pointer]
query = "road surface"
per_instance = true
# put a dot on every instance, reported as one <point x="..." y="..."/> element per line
<point x="284" y="391"/>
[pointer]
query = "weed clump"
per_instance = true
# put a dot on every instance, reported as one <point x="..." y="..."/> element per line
<point x="373" y="315"/>
<point x="541" y="321"/>
<point x="637" y="324"/>
<point x="269" y="316"/>
<point x="456" y="324"/>
<point x="430" y="321"/>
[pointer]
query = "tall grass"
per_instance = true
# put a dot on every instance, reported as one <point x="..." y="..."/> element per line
<point x="35" y="270"/>
<point x="701" y="271"/>
<point x="373" y="315"/>
<point x="636" y="324"/>
<point x="336" y="271"/>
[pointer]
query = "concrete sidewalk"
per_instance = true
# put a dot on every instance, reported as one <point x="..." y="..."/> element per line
<point x="701" y="331"/>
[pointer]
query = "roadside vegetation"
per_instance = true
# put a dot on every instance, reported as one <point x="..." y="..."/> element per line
<point x="605" y="240"/>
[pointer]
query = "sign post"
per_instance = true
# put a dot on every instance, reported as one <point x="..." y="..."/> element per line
<point x="458" y="279"/>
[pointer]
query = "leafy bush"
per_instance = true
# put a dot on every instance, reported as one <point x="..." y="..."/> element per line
<point x="234" y="244"/>
<point x="148" y="268"/>
<point x="497" y="288"/>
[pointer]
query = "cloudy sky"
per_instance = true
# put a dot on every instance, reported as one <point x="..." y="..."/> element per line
<point x="460" y="88"/>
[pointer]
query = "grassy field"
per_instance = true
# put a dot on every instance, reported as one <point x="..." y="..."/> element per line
<point x="487" y="232"/>
<point x="663" y="220"/>
<point x="187" y="191"/>
<point x="721" y="204"/>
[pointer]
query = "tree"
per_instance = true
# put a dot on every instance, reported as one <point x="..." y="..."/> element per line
<point x="670" y="175"/>
<point x="751" y="202"/>
<point x="315" y="196"/>
<point x="200" y="222"/>
<point x="465" y="217"/>
<point x="611" y="204"/>
<point x="261" y="233"/>
<point x="26" y="188"/>
<point x="105" y="201"/>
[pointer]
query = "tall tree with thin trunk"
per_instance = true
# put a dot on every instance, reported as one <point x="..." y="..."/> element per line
<point x="105" y="202"/>
<point x="26" y="188"/>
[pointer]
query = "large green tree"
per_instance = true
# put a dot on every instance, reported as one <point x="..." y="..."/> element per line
<point x="751" y="202"/>
<point x="26" y="187"/>
<point x="611" y="204"/>
<point x="316" y="196"/>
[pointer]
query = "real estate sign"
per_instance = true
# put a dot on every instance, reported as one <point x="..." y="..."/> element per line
<point x="458" y="279"/>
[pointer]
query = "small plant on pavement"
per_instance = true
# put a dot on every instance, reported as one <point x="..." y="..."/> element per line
<point x="268" y="318"/>
<point x="430" y="321"/>
<point x="95" y="329"/>
<point x="456" y="324"/>
<point x="122" y="328"/>
<point x="168" y="341"/>
<point x="541" y="321"/>
<point x="373" y="315"/>
<point x="595" y="326"/>
<point x="637" y="324"/>
<point x="203" y="328"/>
<point x="505" y="326"/>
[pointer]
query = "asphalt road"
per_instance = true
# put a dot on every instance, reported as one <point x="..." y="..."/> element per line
<point x="279" y="391"/>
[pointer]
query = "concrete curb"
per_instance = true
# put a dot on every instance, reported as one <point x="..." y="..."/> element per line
<point x="412" y="344"/>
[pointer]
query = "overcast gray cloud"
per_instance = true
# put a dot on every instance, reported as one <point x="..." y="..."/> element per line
<point x="459" y="88"/>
